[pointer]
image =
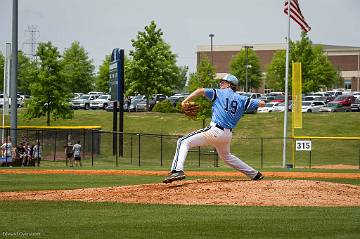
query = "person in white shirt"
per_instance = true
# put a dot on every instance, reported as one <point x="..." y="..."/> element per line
<point x="7" y="149"/>
<point x="76" y="150"/>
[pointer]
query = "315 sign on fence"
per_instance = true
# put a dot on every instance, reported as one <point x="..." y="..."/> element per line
<point x="303" y="145"/>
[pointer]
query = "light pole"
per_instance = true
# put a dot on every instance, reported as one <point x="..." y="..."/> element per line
<point x="211" y="35"/>
<point x="249" y="66"/>
<point x="246" y="67"/>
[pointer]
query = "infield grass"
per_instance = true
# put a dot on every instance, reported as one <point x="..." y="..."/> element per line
<point x="116" y="220"/>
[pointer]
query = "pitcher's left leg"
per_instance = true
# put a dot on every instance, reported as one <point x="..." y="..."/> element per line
<point x="235" y="162"/>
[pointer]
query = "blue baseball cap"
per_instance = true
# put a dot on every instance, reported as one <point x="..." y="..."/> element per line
<point x="231" y="78"/>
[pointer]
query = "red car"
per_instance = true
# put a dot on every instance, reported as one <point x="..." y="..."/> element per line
<point x="345" y="100"/>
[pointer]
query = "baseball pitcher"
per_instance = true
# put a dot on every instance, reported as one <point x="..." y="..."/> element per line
<point x="227" y="109"/>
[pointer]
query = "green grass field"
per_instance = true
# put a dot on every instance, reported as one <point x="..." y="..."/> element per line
<point x="56" y="219"/>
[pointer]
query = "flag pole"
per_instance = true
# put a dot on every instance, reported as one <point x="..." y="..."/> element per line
<point x="286" y="86"/>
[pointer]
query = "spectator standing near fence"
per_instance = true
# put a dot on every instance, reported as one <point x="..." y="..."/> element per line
<point x="28" y="154"/>
<point x="21" y="154"/>
<point x="7" y="149"/>
<point x="68" y="153"/>
<point x="36" y="153"/>
<point x="76" y="151"/>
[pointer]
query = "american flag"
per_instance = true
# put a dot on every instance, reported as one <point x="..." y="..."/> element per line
<point x="296" y="15"/>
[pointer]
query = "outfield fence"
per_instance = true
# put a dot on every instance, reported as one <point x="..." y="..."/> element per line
<point x="101" y="149"/>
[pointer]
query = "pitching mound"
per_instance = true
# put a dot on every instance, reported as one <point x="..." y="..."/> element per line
<point x="211" y="192"/>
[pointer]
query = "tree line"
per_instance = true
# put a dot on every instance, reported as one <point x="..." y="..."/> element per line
<point x="151" y="68"/>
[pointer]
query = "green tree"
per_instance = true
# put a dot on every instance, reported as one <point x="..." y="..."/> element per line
<point x="78" y="69"/>
<point x="317" y="70"/>
<point x="2" y="65"/>
<point x="152" y="67"/>
<point x="238" y="69"/>
<point x="276" y="72"/>
<point x="203" y="78"/>
<point x="50" y="92"/>
<point x="103" y="77"/>
<point x="26" y="72"/>
<point x="182" y="79"/>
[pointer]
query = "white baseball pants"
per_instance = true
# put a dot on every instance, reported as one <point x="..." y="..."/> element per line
<point x="220" y="139"/>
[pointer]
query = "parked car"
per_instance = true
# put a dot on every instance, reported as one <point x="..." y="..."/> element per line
<point x="134" y="101"/>
<point x="267" y="98"/>
<point x="320" y="93"/>
<point x="312" y="106"/>
<point x="175" y="99"/>
<point x="279" y="98"/>
<point x="334" y="93"/>
<point x="345" y="100"/>
<point x="310" y="97"/>
<point x="101" y="102"/>
<point x="83" y="102"/>
<point x="76" y="95"/>
<point x="20" y="101"/>
<point x="335" y="107"/>
<point x="281" y="107"/>
<point x="356" y="105"/>
<point x="356" y="94"/>
<point x="141" y="105"/>
<point x="110" y="107"/>
<point x="96" y="93"/>
<point x="251" y="95"/>
<point x="269" y="107"/>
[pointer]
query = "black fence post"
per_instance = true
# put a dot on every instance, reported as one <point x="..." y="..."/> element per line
<point x="310" y="157"/>
<point x="131" y="148"/>
<point x="55" y="146"/>
<point x="139" y="148"/>
<point x="199" y="152"/>
<point x="216" y="158"/>
<point x="84" y="139"/>
<point x="262" y="153"/>
<point x="117" y="157"/>
<point x="161" y="150"/>
<point x="92" y="148"/>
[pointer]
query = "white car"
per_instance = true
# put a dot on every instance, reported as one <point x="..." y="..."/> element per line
<point x="83" y="102"/>
<point x="312" y="106"/>
<point x="269" y="107"/>
<point x="280" y="107"/>
<point x="101" y="102"/>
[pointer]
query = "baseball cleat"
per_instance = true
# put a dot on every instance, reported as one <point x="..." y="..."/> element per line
<point x="258" y="176"/>
<point x="174" y="176"/>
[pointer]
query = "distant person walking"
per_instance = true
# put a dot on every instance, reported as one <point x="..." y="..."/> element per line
<point x="37" y="153"/>
<point x="76" y="151"/>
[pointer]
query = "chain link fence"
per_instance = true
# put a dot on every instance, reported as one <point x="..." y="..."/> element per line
<point x="101" y="149"/>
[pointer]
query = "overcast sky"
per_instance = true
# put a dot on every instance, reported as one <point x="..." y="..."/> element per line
<point x="101" y="25"/>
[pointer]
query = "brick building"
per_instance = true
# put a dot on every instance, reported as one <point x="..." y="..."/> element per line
<point x="346" y="59"/>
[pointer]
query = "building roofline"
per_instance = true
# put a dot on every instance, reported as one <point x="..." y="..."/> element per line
<point x="273" y="47"/>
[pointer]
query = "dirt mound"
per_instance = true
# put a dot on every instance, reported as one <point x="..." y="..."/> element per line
<point x="211" y="192"/>
<point x="289" y="174"/>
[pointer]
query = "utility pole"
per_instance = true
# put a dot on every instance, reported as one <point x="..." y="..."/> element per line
<point x="13" y="74"/>
<point x="246" y="67"/>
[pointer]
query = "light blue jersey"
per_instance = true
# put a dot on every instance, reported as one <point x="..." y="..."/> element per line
<point x="228" y="106"/>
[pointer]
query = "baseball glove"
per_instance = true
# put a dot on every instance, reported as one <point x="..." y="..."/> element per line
<point x="190" y="109"/>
